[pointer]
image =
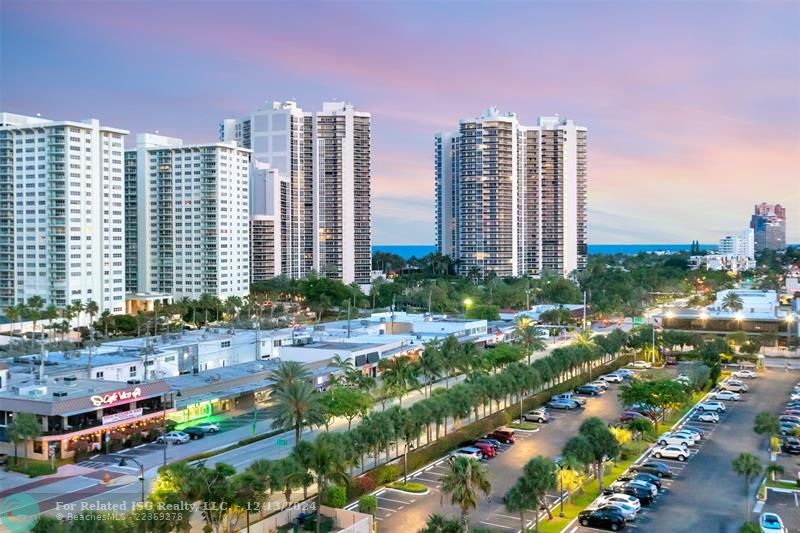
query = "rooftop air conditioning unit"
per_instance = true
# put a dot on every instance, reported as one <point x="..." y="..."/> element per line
<point x="59" y="394"/>
<point x="69" y="379"/>
<point x="134" y="382"/>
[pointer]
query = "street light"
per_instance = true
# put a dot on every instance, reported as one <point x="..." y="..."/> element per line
<point x="561" y="467"/>
<point x="123" y="463"/>
<point x="789" y="320"/>
<point x="739" y="317"/>
<point x="467" y="303"/>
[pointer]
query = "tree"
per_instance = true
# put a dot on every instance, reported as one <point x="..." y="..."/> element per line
<point x="483" y="311"/>
<point x="464" y="479"/>
<point x="661" y="394"/>
<point x="767" y="424"/>
<point x="215" y="490"/>
<point x="23" y="428"/>
<point x="105" y="320"/>
<point x="297" y="405"/>
<point x="747" y="466"/>
<point x="34" y="310"/>
<point x="429" y="364"/>
<point x="92" y="309"/>
<point x="530" y="490"/>
<point x="437" y="523"/>
<point x="529" y="336"/>
<point x="732" y="302"/>
<point x="593" y="445"/>
<point x="400" y="374"/>
<point x="557" y="316"/>
<point x="449" y="357"/>
<point x="288" y="372"/>
<point x="347" y="403"/>
<point x="324" y="460"/>
<point x="286" y="475"/>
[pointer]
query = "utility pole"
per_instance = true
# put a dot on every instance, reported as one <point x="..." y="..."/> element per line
<point x="430" y="298"/>
<point x="584" y="310"/>
<point x="348" y="318"/>
<point x="258" y="340"/>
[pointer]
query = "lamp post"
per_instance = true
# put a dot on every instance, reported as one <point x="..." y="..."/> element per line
<point x="739" y="317"/>
<point x="409" y="446"/>
<point x="789" y="321"/>
<point x="561" y="489"/>
<point x="467" y="303"/>
<point x="123" y="463"/>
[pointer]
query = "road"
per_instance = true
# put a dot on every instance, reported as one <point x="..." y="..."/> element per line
<point x="397" y="511"/>
<point x="706" y="495"/>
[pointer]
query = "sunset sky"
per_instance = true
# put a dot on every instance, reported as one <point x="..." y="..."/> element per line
<point x="693" y="108"/>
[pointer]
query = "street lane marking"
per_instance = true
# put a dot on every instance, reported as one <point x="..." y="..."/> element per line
<point x="506" y="516"/>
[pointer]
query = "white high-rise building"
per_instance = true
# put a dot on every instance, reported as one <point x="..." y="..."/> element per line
<point x="61" y="212"/>
<point x="325" y="158"/>
<point x="741" y="245"/>
<point x="511" y="199"/>
<point x="187" y="218"/>
<point x="269" y="210"/>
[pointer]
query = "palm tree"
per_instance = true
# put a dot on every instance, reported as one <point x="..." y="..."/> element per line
<point x="400" y="374"/>
<point x="732" y="302"/>
<point x="529" y="337"/>
<point x="344" y="365"/>
<point x="14" y="313"/>
<point x="767" y="424"/>
<point x="465" y="478"/>
<point x="324" y="460"/>
<point x="25" y="427"/>
<point x="92" y="309"/>
<point x="747" y="466"/>
<point x="105" y="320"/>
<point x="205" y="302"/>
<point x="437" y="523"/>
<point x="287" y="475"/>
<point x="449" y="358"/>
<point x="297" y="405"/>
<point x="429" y="364"/>
<point x="50" y="314"/>
<point x="288" y="372"/>
<point x="34" y="310"/>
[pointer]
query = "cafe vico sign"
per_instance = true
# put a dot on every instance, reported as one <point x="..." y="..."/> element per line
<point x="116" y="396"/>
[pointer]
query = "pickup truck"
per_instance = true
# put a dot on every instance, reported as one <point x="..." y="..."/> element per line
<point x="570" y="396"/>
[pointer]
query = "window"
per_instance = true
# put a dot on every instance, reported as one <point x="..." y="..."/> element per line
<point x="225" y="344"/>
<point x="98" y="375"/>
<point x="132" y="371"/>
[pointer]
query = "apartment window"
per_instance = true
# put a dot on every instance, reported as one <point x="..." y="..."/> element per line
<point x="98" y="375"/>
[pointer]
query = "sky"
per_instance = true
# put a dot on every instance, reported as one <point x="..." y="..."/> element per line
<point x="693" y="108"/>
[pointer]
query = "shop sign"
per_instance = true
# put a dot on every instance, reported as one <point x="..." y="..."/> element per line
<point x="114" y="397"/>
<point x="124" y="415"/>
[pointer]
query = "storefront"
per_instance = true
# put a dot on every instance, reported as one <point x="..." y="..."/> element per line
<point x="76" y="414"/>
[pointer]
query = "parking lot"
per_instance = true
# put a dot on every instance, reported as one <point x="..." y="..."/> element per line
<point x="705" y="494"/>
<point x="404" y="512"/>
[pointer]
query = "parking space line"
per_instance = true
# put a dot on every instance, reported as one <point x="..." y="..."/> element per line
<point x="386" y="509"/>
<point x="396" y="501"/>
<point x="500" y="526"/>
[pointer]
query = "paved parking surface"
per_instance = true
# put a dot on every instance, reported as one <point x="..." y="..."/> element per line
<point x="504" y="470"/>
<point x="705" y="494"/>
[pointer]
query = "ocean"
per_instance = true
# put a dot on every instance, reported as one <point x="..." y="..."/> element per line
<point x="420" y="250"/>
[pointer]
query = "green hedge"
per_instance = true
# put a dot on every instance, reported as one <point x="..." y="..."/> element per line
<point x="32" y="468"/>
<point x="334" y="496"/>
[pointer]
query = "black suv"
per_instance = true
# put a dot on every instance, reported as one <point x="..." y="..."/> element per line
<point x="194" y="433"/>
<point x="653" y="467"/>
<point x="642" y="476"/>
<point x="790" y="445"/>
<point x="607" y="517"/>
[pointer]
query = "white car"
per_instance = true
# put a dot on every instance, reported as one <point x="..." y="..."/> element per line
<point x="717" y="407"/>
<point x="599" y="383"/>
<point x="771" y="523"/>
<point x="616" y="498"/>
<point x="697" y="433"/>
<point x="747" y="374"/>
<point x="209" y="427"/>
<point x="640" y="365"/>
<point x="690" y="435"/>
<point x="710" y="416"/>
<point x="675" y="440"/>
<point x="625" y="372"/>
<point x="174" y="437"/>
<point x="734" y="385"/>
<point x="671" y="452"/>
<point x="726" y="395"/>
<point x="612" y="378"/>
<point x="472" y="453"/>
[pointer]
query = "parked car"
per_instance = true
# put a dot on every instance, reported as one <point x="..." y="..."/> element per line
<point x="619" y="485"/>
<point x="790" y="445"/>
<point x="625" y="373"/>
<point x="651" y="412"/>
<point x="612" y="378"/>
<point x="569" y="405"/>
<point x="194" y="432"/>
<point x="640" y="365"/>
<point x="627" y="512"/>
<point x="656" y="468"/>
<point x="642" y="476"/>
<point x="692" y="436"/>
<point x="174" y="437"/>
<point x="641" y="494"/>
<point x="677" y="440"/>
<point x="707" y="416"/>
<point x="671" y="451"/>
<point x="717" y="407"/>
<point x="209" y="427"/>
<point x="589" y="390"/>
<point x="468" y="451"/>
<point x="792" y="412"/>
<point x="771" y="523"/>
<point x="747" y="374"/>
<point x="600" y="384"/>
<point x="570" y="396"/>
<point x="627" y="416"/>
<point x="725" y="395"/>
<point x="734" y="386"/>
<point x="487" y="450"/>
<point x="539" y="415"/>
<point x="787" y="428"/>
<point x="504" y="435"/>
<point x="697" y="431"/>
<point x="494" y="442"/>
<point x="612" y="499"/>
<point x="790" y="418"/>
<point x="607" y="517"/>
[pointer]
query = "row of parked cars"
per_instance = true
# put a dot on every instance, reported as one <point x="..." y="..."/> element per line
<point x="486" y="447"/>
<point x="189" y="433"/>
<point x="572" y="400"/>
<point x="640" y="485"/>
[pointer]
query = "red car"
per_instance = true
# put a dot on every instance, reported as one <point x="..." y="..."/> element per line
<point x="627" y="416"/>
<point x="486" y="449"/>
<point x="506" y="436"/>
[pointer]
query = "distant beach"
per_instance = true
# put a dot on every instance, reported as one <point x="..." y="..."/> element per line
<point x="414" y="250"/>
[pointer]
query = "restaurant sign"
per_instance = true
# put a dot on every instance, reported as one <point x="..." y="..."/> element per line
<point x="114" y="397"/>
<point x="124" y="415"/>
